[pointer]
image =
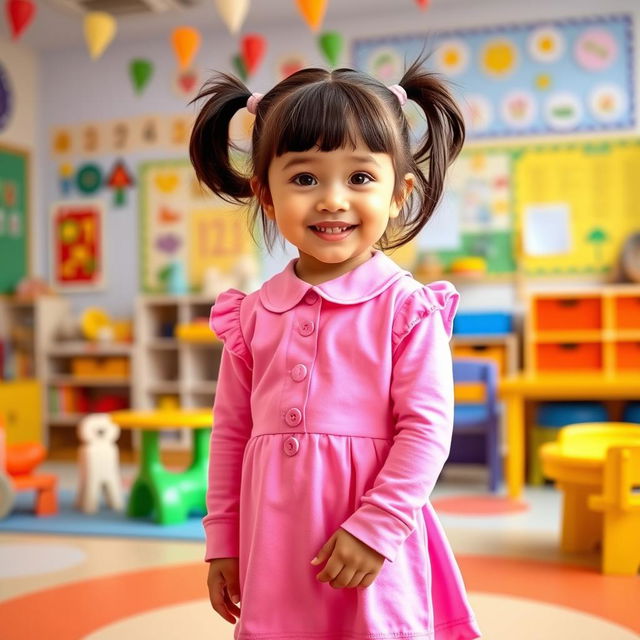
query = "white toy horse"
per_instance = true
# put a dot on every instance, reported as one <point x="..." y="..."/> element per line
<point x="98" y="460"/>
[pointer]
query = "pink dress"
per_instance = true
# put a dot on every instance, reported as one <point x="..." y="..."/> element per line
<point x="334" y="409"/>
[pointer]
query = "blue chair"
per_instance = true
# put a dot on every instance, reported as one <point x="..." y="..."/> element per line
<point x="476" y="429"/>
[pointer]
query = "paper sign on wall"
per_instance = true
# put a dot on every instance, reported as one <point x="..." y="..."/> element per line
<point x="547" y="229"/>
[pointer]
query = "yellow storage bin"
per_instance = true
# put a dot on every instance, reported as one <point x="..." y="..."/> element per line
<point x="21" y="407"/>
<point x="108" y="367"/>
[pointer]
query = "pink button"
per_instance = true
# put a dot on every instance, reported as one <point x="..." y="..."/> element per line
<point x="291" y="446"/>
<point x="311" y="297"/>
<point x="293" y="417"/>
<point x="306" y="328"/>
<point x="299" y="372"/>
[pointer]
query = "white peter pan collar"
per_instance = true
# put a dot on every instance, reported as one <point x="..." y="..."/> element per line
<point x="285" y="290"/>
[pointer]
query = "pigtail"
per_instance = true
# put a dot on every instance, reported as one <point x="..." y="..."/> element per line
<point x="445" y="128"/>
<point x="209" y="145"/>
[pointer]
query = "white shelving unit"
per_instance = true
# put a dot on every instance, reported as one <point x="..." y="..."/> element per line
<point x="169" y="369"/>
<point x="27" y="330"/>
<point x="94" y="389"/>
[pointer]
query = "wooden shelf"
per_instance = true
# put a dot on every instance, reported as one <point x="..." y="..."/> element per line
<point x="206" y="386"/>
<point x="163" y="343"/>
<point x="65" y="419"/>
<point x="76" y="381"/>
<point x="166" y="386"/>
<point x="97" y="349"/>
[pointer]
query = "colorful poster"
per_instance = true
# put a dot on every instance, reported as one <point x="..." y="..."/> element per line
<point x="475" y="217"/>
<point x="184" y="226"/>
<point x="77" y="250"/>
<point x="561" y="76"/>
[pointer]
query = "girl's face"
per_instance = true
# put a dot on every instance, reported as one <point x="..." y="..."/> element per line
<point x="314" y="195"/>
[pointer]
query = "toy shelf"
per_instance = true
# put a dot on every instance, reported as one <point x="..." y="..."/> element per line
<point x="176" y="355"/>
<point x="84" y="377"/>
<point x="27" y="328"/>
<point x="577" y="331"/>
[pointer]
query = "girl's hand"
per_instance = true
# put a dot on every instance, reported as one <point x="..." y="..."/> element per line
<point x="224" y="585"/>
<point x="352" y="563"/>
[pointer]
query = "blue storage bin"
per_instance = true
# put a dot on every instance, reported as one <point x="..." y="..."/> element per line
<point x="560" y="414"/>
<point x="477" y="322"/>
<point x="632" y="412"/>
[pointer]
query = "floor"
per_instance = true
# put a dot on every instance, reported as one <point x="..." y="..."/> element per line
<point x="520" y="585"/>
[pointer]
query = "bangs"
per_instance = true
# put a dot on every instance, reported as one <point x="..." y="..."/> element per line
<point x="329" y="116"/>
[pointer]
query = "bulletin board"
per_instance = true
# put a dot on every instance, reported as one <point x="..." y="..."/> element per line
<point x="14" y="217"/>
<point x="546" y="210"/>
<point x="575" y="204"/>
<point x="182" y="223"/>
<point x="559" y="76"/>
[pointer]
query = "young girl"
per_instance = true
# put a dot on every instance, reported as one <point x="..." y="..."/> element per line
<point x="333" y="410"/>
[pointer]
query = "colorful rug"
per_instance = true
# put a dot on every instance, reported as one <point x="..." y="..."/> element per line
<point x="70" y="521"/>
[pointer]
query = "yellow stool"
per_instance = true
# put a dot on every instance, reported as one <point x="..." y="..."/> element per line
<point x="537" y="437"/>
<point x="621" y="509"/>
<point x="576" y="461"/>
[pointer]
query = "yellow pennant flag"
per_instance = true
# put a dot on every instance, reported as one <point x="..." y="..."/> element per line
<point x="99" y="30"/>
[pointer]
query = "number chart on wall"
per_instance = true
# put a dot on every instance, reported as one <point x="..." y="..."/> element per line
<point x="184" y="226"/>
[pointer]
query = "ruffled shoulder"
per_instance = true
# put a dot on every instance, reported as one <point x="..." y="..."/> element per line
<point x="225" y="321"/>
<point x="440" y="296"/>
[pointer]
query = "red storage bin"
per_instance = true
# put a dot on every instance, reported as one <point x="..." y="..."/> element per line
<point x="628" y="356"/>
<point x="586" y="356"/>
<point x="553" y="314"/>
<point x="627" y="312"/>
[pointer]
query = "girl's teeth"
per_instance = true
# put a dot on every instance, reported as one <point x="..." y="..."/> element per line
<point x="331" y="229"/>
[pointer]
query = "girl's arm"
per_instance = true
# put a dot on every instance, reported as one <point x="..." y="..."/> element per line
<point x="422" y="397"/>
<point x="231" y="430"/>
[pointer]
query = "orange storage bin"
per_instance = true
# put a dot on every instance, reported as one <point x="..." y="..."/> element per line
<point x="586" y="356"/>
<point x="494" y="352"/>
<point x="553" y="314"/>
<point x="628" y="356"/>
<point x="627" y="312"/>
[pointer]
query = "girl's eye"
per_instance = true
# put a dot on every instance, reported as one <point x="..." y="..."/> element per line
<point x="360" y="178"/>
<point x="304" y="180"/>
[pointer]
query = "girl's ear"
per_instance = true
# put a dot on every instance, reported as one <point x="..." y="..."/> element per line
<point x="408" y="182"/>
<point x="263" y="196"/>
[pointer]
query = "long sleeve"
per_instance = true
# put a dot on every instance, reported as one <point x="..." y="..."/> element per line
<point x="231" y="429"/>
<point x="422" y="398"/>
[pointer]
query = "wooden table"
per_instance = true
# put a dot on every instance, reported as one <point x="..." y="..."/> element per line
<point x="576" y="463"/>
<point x="168" y="496"/>
<point x="517" y="390"/>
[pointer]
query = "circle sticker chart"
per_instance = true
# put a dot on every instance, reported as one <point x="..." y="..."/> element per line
<point x="556" y="77"/>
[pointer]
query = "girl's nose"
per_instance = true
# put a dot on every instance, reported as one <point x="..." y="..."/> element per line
<point x="333" y="199"/>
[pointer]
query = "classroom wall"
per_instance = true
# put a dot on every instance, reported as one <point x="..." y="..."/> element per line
<point x="22" y="66"/>
<point x="75" y="89"/>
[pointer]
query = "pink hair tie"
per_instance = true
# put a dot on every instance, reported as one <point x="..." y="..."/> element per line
<point x="252" y="102"/>
<point x="400" y="93"/>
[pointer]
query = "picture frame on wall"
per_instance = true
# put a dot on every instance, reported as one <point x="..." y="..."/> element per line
<point x="77" y="245"/>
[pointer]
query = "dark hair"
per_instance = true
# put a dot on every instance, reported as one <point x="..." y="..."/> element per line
<point x="331" y="109"/>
